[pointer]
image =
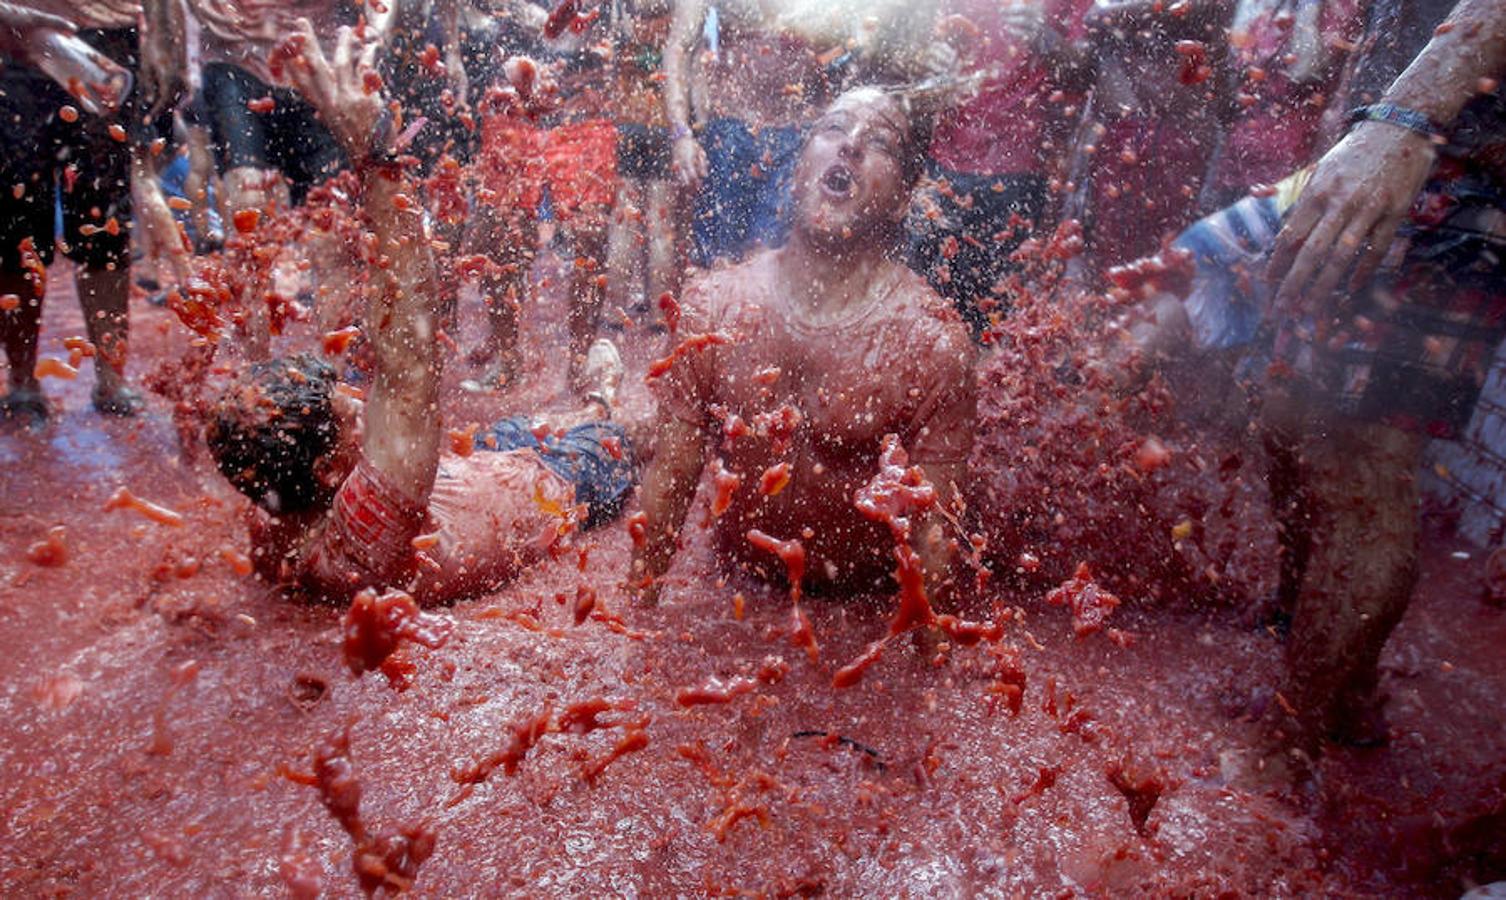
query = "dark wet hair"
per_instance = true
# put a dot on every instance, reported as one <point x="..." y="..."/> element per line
<point x="268" y="430"/>
<point x="920" y="124"/>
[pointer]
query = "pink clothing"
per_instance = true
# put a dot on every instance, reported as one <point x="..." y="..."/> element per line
<point x="1004" y="129"/>
<point x="1275" y="131"/>
<point x="1143" y="183"/>
<point x="489" y="516"/>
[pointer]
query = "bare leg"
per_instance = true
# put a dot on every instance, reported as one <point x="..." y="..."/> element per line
<point x="664" y="220"/>
<point x="1361" y="479"/>
<point x="509" y="239"/>
<point x="19" y="328"/>
<point x="153" y="224"/>
<point x="587" y="289"/>
<point x="200" y="175"/>
<point x="104" y="293"/>
<point x="625" y="240"/>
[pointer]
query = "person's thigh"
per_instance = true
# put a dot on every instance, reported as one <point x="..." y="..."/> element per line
<point x="29" y="110"/>
<point x="303" y="148"/>
<point x="723" y="207"/>
<point x="238" y="135"/>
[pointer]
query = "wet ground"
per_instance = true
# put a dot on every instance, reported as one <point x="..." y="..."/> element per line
<point x="160" y="708"/>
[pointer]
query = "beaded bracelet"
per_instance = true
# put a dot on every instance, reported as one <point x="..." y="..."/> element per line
<point x="1400" y="116"/>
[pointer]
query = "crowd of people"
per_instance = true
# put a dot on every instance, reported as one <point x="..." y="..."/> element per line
<point x="823" y="206"/>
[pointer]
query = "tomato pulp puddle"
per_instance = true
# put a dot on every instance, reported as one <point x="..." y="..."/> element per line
<point x="165" y="712"/>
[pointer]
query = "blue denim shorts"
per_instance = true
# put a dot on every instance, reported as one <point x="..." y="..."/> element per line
<point x="745" y="200"/>
<point x="601" y="480"/>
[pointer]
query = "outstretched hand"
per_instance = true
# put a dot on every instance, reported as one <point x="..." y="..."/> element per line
<point x="344" y="88"/>
<point x="1348" y="213"/>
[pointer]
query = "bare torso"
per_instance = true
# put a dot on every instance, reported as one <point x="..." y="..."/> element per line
<point x="818" y="397"/>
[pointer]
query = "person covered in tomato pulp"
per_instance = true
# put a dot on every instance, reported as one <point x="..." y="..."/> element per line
<point x="793" y="366"/>
<point x="352" y="495"/>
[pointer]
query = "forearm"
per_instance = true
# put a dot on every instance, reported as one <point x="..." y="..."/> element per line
<point x="938" y="557"/>
<point x="934" y="536"/>
<point x="200" y="169"/>
<point x="402" y="412"/>
<point x="683" y="33"/>
<point x="669" y="486"/>
<point x="1447" y="73"/>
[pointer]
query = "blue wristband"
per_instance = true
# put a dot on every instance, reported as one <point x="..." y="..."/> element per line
<point x="1401" y="117"/>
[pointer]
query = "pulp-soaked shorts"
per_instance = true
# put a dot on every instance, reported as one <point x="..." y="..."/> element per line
<point x="288" y="138"/>
<point x="45" y="159"/>
<point x="576" y="160"/>
<point x="595" y="457"/>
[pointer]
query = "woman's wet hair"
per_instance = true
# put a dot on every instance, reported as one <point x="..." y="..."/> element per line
<point x="270" y="428"/>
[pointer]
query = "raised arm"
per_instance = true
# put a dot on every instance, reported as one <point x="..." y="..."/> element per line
<point x="1361" y="189"/>
<point x="680" y="438"/>
<point x="402" y="409"/>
